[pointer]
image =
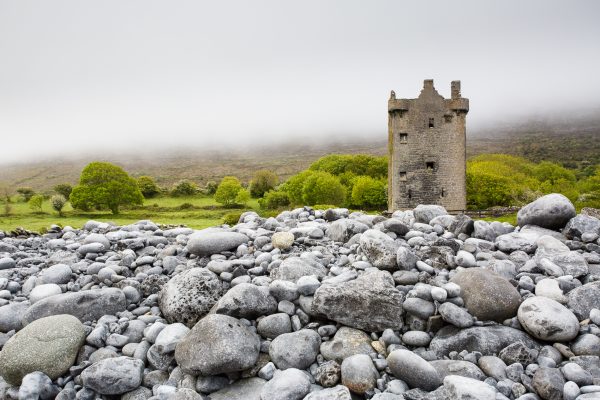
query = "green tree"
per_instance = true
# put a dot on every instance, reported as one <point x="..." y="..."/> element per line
<point x="184" y="188"/>
<point x="369" y="192"/>
<point x="263" y="181"/>
<point x="323" y="188"/>
<point x="103" y="185"/>
<point x="228" y="190"/>
<point x="210" y="188"/>
<point x="294" y="186"/>
<point x="58" y="202"/>
<point x="243" y="197"/>
<point x="147" y="186"/>
<point x="63" y="189"/>
<point x="26" y="192"/>
<point x="274" y="199"/>
<point x="35" y="202"/>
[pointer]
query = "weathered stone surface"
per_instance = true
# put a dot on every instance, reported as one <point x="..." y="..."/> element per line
<point x="487" y="295"/>
<point x="464" y="388"/>
<point x="583" y="299"/>
<point x="49" y="345"/>
<point x="282" y="240"/>
<point x="246" y="301"/>
<point x="87" y="305"/>
<point x="343" y="229"/>
<point x="457" y="367"/>
<point x="293" y="268"/>
<point x="226" y="346"/>
<point x="486" y="339"/>
<point x="379" y="248"/>
<point x="580" y="225"/>
<point x="290" y="384"/>
<point x="548" y="383"/>
<point x="552" y="211"/>
<point x="113" y="376"/>
<point x="211" y="241"/>
<point x="359" y="374"/>
<point x="244" y="389"/>
<point x="295" y="350"/>
<point x="426" y="212"/>
<point x="189" y="296"/>
<point x="371" y="302"/>
<point x="335" y="393"/>
<point x="548" y="320"/>
<point x="10" y="316"/>
<point x="413" y="370"/>
<point x="346" y="342"/>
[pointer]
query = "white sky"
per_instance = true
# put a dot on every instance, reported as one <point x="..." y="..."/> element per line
<point x="140" y="74"/>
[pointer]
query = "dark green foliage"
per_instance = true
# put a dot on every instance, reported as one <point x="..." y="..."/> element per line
<point x="26" y="192"/>
<point x="232" y="218"/>
<point x="148" y="187"/>
<point x="184" y="188"/>
<point x="103" y="185"/>
<point x="63" y="189"/>
<point x="263" y="181"/>
<point x="57" y="202"/>
<point x="210" y="188"/>
<point x="274" y="200"/>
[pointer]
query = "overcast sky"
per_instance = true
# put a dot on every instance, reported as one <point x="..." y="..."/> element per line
<point x="136" y="74"/>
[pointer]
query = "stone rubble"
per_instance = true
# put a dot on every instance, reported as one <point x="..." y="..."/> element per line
<point x="308" y="305"/>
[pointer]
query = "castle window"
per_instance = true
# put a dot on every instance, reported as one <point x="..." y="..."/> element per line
<point x="409" y="194"/>
<point x="443" y="193"/>
<point x="448" y="117"/>
<point x="431" y="124"/>
<point x="430" y="165"/>
<point x="403" y="137"/>
<point x="402" y="175"/>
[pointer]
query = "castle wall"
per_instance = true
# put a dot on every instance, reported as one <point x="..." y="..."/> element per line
<point x="427" y="164"/>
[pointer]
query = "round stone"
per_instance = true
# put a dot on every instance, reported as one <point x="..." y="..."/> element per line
<point x="295" y="350"/>
<point x="282" y="240"/>
<point x="413" y="370"/>
<point x="547" y="319"/>
<point x="43" y="291"/>
<point x="115" y="375"/>
<point x="359" y="374"/>
<point x="49" y="345"/>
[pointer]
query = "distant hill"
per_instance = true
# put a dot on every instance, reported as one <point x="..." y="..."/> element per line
<point x="574" y="142"/>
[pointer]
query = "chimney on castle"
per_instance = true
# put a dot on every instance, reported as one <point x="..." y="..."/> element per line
<point x="455" y="89"/>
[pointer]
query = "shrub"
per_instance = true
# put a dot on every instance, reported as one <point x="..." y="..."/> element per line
<point x="105" y="186"/>
<point x="184" y="188"/>
<point x="369" y="193"/>
<point x="323" y="188"/>
<point x="242" y="197"/>
<point x="263" y="181"/>
<point x="63" y="189"/>
<point x="210" y="188"/>
<point x="356" y="164"/>
<point x="35" y="202"/>
<point x="57" y="202"/>
<point x="274" y="199"/>
<point x="294" y="186"/>
<point x="232" y="218"/>
<point x="228" y="190"/>
<point x="147" y="186"/>
<point x="26" y="192"/>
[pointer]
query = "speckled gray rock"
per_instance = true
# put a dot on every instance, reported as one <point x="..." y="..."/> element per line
<point x="413" y="370"/>
<point x="7" y="263"/>
<point x="246" y="301"/>
<point x="551" y="211"/>
<point x="58" y="273"/>
<point x="580" y="225"/>
<point x="359" y="374"/>
<point x="371" y="302"/>
<point x="10" y="316"/>
<point x="463" y="388"/>
<point x="113" y="376"/>
<point x="426" y="212"/>
<point x="190" y="295"/>
<point x="282" y="240"/>
<point x="43" y="291"/>
<point x="487" y="295"/>
<point x="211" y="241"/>
<point x="292" y="268"/>
<point x="226" y="346"/>
<point x="49" y="345"/>
<point x="548" y="320"/>
<point x="379" y="248"/>
<point x="274" y="325"/>
<point x="583" y="299"/>
<point x="457" y="367"/>
<point x="346" y="342"/>
<point x="455" y="315"/>
<point x="548" y="383"/>
<point x="291" y="384"/>
<point x="244" y="389"/>
<point x="295" y="350"/>
<point x="406" y="259"/>
<point x="335" y="393"/>
<point x="87" y="305"/>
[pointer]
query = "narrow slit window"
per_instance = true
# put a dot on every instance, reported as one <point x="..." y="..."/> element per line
<point x="443" y="193"/>
<point x="403" y="137"/>
<point x="402" y="175"/>
<point x="431" y="122"/>
<point x="409" y="194"/>
<point x="430" y="165"/>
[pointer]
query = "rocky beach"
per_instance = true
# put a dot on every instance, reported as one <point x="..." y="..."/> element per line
<point x="311" y="304"/>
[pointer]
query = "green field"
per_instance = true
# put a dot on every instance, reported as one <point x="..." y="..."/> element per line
<point x="196" y="212"/>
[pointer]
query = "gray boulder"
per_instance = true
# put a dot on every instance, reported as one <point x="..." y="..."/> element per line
<point x="7" y="263"/>
<point x="58" y="274"/>
<point x="426" y="212"/>
<point x="548" y="383"/>
<point x="551" y="211"/>
<point x="226" y="345"/>
<point x="295" y="350"/>
<point x="87" y="305"/>
<point x="379" y="248"/>
<point x="49" y="345"/>
<point x="112" y="376"/>
<point x="583" y="299"/>
<point x="10" y="316"/>
<point x="291" y="384"/>
<point x="462" y="388"/>
<point x="488" y="340"/>
<point x="189" y="296"/>
<point x="335" y="393"/>
<point x="292" y="268"/>
<point x="244" y="389"/>
<point x="458" y="367"/>
<point x="371" y="302"/>
<point x="413" y="370"/>
<point x="246" y="301"/>
<point x="212" y="241"/>
<point x="346" y="342"/>
<point x="581" y="224"/>
<point x="359" y="374"/>
<point x="343" y="229"/>
<point x="487" y="295"/>
<point x="548" y="320"/>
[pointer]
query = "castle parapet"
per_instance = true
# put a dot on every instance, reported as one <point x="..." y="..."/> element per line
<point x="398" y="105"/>
<point x="459" y="104"/>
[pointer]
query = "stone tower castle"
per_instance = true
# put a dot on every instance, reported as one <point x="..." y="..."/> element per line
<point x="427" y="149"/>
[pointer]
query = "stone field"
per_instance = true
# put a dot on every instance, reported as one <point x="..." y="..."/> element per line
<point x="310" y="305"/>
